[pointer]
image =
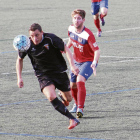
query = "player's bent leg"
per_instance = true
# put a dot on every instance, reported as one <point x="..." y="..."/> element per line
<point x="97" y="24"/>
<point x="60" y="107"/>
<point x="103" y="14"/>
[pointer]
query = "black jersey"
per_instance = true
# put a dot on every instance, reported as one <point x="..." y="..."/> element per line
<point x="46" y="57"/>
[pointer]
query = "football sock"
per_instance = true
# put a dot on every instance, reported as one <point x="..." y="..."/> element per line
<point x="81" y="94"/>
<point x="97" y="24"/>
<point x="60" y="107"/>
<point x="74" y="94"/>
<point x="101" y="16"/>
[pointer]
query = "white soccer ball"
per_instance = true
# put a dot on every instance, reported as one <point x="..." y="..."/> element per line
<point x="21" y="43"/>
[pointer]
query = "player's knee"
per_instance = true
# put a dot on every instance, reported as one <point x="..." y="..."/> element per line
<point x="49" y="92"/>
<point x="96" y="16"/>
<point x="104" y="11"/>
<point x="50" y="96"/>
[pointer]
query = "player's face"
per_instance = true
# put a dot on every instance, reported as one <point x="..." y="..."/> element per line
<point x="36" y="36"/>
<point x="78" y="21"/>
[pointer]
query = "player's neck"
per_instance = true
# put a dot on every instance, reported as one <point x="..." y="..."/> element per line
<point x="79" y="30"/>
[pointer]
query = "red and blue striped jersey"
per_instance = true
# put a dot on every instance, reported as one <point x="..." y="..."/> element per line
<point x="84" y="44"/>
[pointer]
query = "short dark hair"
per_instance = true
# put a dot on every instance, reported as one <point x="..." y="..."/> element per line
<point x="81" y="12"/>
<point x="35" y="26"/>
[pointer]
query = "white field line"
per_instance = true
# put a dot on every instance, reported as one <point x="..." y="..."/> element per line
<point x="121" y="61"/>
<point x="121" y="57"/>
<point x="127" y="29"/>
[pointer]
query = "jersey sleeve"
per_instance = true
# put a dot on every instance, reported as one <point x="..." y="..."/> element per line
<point x="92" y="43"/>
<point x="22" y="54"/>
<point x="58" y="43"/>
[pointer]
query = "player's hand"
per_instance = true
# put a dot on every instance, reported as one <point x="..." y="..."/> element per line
<point x="20" y="83"/>
<point x="75" y="70"/>
<point x="93" y="66"/>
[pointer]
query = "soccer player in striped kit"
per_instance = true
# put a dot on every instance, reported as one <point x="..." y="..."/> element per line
<point x="96" y="6"/>
<point x="86" y="55"/>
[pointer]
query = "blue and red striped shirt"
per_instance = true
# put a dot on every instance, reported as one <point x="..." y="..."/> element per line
<point x="84" y="44"/>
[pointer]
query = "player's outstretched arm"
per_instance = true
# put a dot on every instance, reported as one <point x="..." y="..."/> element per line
<point x="74" y="69"/>
<point x="19" y="66"/>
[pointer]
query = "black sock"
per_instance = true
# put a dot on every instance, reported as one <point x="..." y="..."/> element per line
<point x="60" y="107"/>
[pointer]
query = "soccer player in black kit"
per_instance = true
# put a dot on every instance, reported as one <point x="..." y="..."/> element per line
<point x="50" y="68"/>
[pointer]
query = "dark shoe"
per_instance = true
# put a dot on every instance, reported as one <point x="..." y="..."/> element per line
<point x="99" y="33"/>
<point x="102" y="21"/>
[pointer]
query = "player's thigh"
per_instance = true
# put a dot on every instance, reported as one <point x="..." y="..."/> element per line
<point x="85" y="71"/>
<point x="49" y="92"/>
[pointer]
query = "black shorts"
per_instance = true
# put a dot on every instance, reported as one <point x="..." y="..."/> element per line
<point x="59" y="80"/>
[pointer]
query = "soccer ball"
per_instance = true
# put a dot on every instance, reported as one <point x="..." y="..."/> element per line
<point x="21" y="43"/>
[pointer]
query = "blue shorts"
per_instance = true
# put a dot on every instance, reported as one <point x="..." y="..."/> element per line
<point x="84" y="69"/>
<point x="104" y="3"/>
<point x="95" y="8"/>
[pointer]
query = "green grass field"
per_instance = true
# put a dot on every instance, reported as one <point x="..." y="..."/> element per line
<point x="112" y="108"/>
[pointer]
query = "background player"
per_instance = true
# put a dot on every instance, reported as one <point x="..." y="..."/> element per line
<point x="104" y="10"/>
<point x="50" y="68"/>
<point x="86" y="55"/>
<point x="95" y="8"/>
